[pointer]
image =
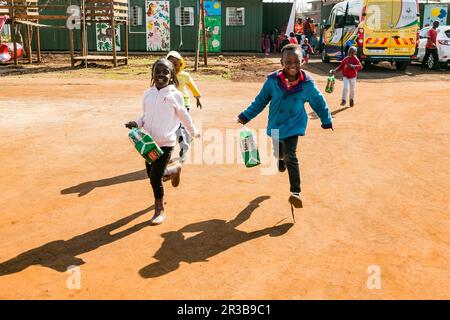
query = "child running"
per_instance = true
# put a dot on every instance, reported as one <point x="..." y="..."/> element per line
<point x="307" y="50"/>
<point x="287" y="90"/>
<point x="350" y="67"/>
<point x="163" y="110"/>
<point x="186" y="84"/>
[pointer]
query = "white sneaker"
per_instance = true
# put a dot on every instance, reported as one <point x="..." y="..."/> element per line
<point x="159" y="219"/>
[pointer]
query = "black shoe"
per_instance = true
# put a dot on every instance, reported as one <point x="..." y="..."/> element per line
<point x="281" y="165"/>
<point x="343" y="102"/>
<point x="296" y="200"/>
<point x="352" y="103"/>
<point x="175" y="177"/>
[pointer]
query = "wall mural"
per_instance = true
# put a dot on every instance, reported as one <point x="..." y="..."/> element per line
<point x="158" y="25"/>
<point x="104" y="36"/>
<point x="213" y="25"/>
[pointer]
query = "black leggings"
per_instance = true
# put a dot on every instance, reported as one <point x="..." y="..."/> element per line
<point x="155" y="172"/>
<point x="287" y="150"/>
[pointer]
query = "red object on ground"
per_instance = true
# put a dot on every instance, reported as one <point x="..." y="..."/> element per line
<point x="7" y="51"/>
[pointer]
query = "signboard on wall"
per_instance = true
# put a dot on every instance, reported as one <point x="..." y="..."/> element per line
<point x="213" y="25"/>
<point x="435" y="12"/>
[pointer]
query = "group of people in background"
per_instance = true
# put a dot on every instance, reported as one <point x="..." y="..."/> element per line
<point x="304" y="35"/>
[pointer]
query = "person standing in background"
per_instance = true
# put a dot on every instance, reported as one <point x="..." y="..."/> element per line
<point x="431" y="47"/>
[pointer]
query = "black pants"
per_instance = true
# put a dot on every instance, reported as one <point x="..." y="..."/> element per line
<point x="435" y="54"/>
<point x="288" y="152"/>
<point x="155" y="171"/>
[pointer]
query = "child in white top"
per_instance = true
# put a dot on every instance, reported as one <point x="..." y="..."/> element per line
<point x="163" y="111"/>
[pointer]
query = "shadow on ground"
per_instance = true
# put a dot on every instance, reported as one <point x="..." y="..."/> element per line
<point x="215" y="236"/>
<point x="84" y="188"/>
<point x="60" y="254"/>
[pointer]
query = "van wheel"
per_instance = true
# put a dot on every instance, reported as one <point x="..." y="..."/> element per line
<point x="325" y="57"/>
<point x="401" y="65"/>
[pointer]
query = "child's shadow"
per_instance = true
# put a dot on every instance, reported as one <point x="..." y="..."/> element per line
<point x="314" y="116"/>
<point x="60" y="254"/>
<point x="84" y="188"/>
<point x="215" y="237"/>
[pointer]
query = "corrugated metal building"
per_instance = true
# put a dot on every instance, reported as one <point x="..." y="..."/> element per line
<point x="276" y="16"/>
<point x="233" y="26"/>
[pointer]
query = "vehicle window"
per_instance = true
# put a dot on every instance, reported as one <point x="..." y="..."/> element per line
<point x="340" y="15"/>
<point x="447" y="33"/>
<point x="331" y="17"/>
<point x="353" y="15"/>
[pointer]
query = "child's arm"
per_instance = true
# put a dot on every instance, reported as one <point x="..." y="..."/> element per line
<point x="341" y="65"/>
<point x="257" y="106"/>
<point x="184" y="116"/>
<point x="359" y="65"/>
<point x="319" y="105"/>
<point x="194" y="89"/>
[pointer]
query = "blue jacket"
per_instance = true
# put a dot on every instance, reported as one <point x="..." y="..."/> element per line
<point x="287" y="111"/>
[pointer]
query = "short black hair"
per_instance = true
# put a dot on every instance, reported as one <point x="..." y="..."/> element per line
<point x="173" y="74"/>
<point x="292" y="48"/>
<point x="292" y="34"/>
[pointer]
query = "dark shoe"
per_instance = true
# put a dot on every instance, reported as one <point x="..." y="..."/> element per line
<point x="296" y="200"/>
<point x="175" y="176"/>
<point x="281" y="165"/>
<point x="159" y="216"/>
<point x="352" y="103"/>
<point x="343" y="102"/>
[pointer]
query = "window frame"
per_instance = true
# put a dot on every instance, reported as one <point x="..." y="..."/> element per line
<point x="227" y="16"/>
<point x="179" y="17"/>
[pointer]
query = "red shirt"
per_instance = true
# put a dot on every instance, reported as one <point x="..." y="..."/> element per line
<point x="347" y="71"/>
<point x="293" y="40"/>
<point x="286" y="83"/>
<point x="431" y="35"/>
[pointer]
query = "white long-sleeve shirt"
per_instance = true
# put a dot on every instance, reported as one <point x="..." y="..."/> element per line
<point x="163" y="111"/>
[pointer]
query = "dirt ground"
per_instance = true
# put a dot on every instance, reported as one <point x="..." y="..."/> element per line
<point x="376" y="192"/>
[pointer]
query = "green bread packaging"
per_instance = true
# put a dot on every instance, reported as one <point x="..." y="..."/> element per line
<point x="144" y="144"/>
<point x="249" y="149"/>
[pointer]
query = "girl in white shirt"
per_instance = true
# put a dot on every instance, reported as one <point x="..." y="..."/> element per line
<point x="163" y="111"/>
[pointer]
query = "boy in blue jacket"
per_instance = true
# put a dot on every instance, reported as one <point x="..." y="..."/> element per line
<point x="287" y="91"/>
